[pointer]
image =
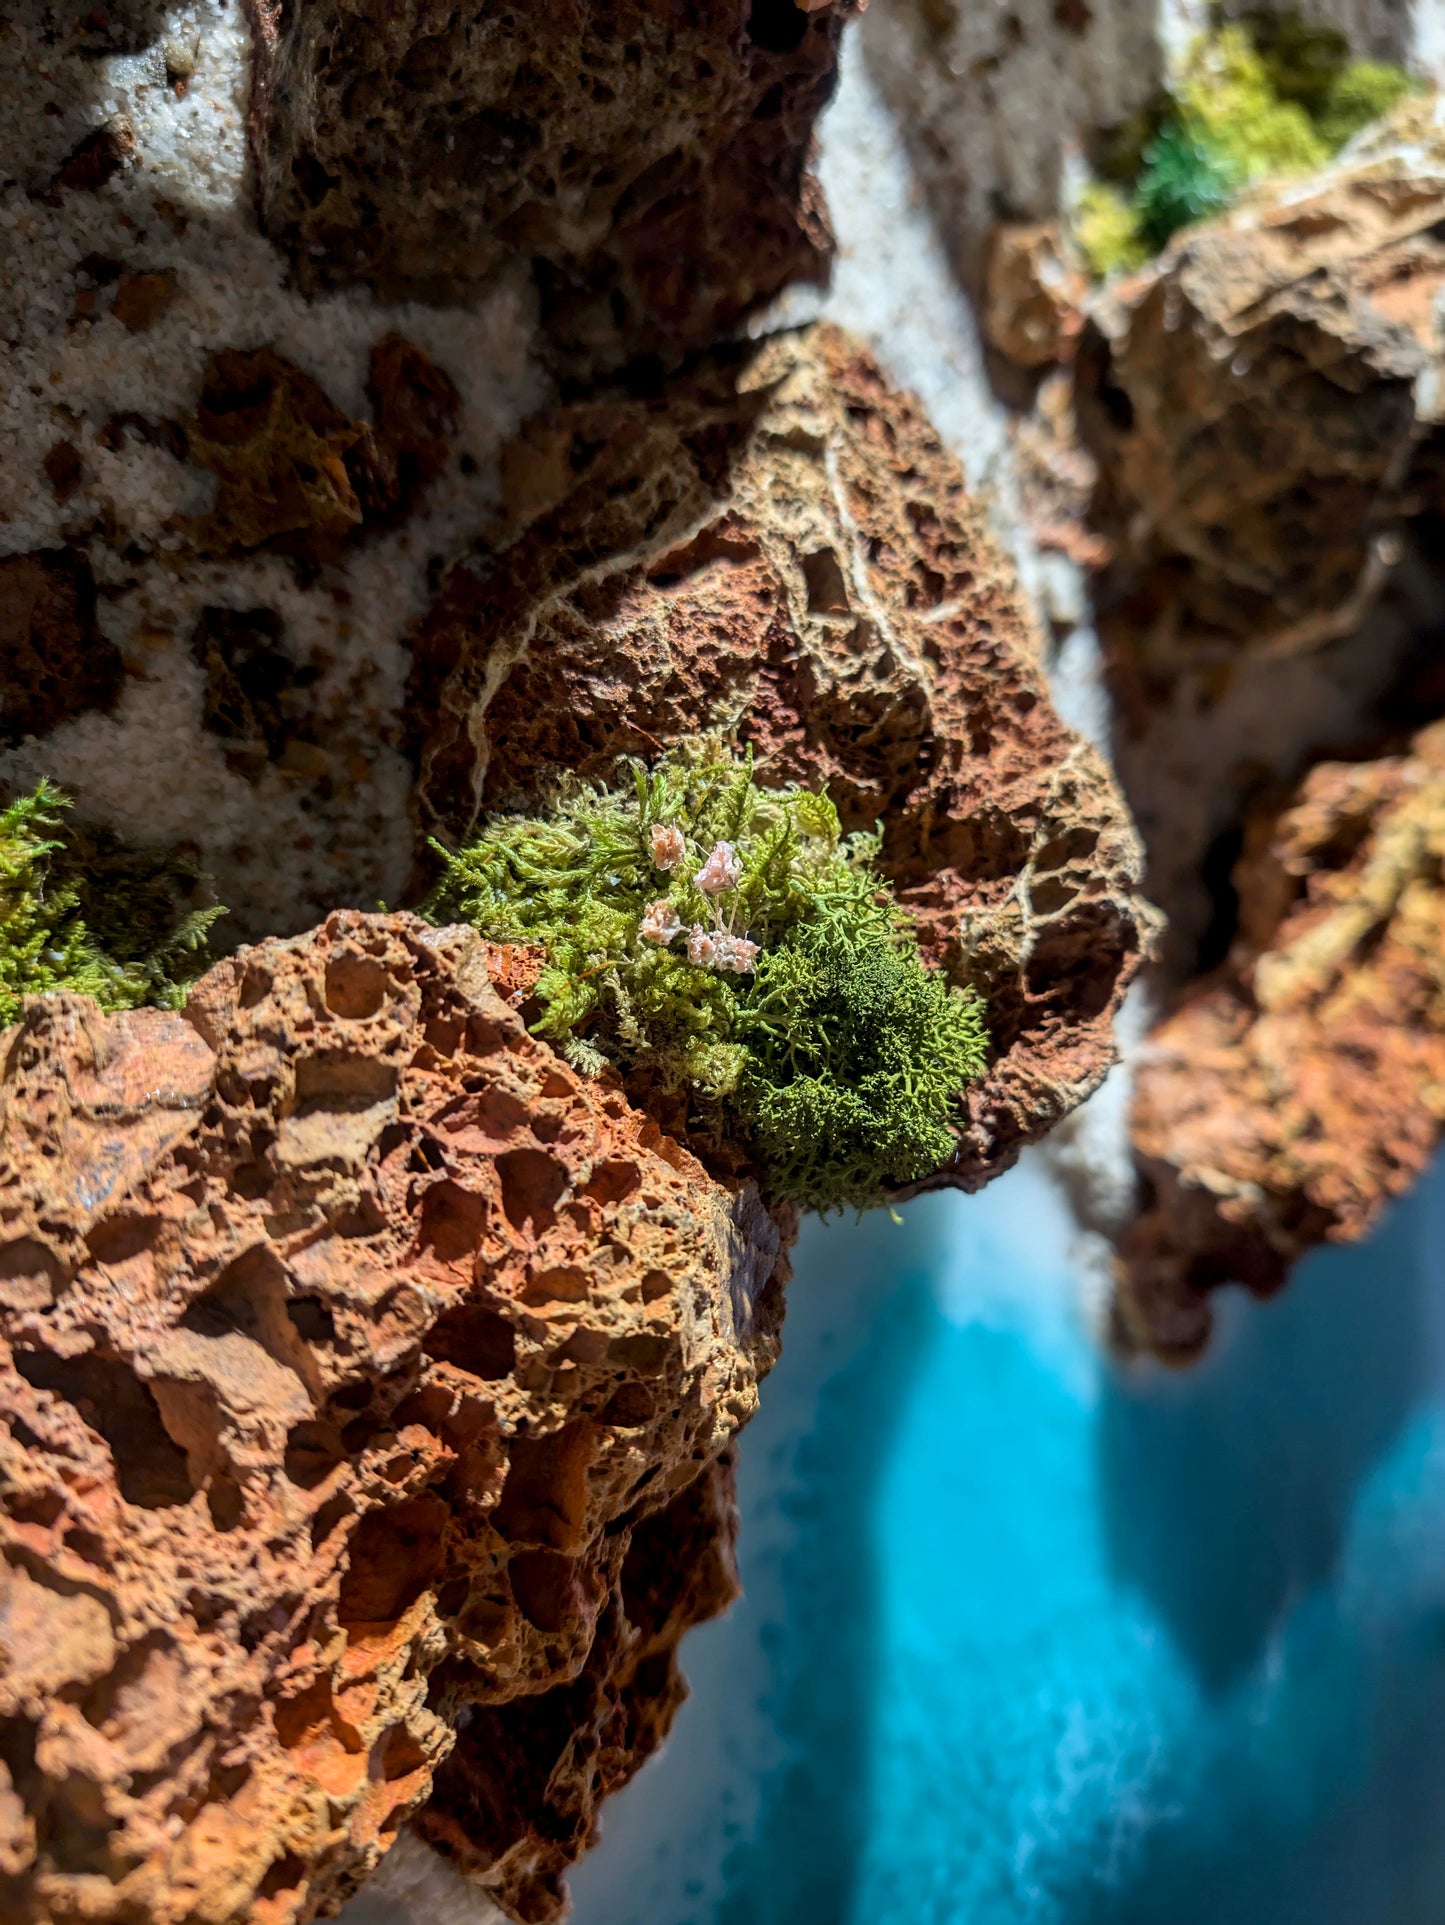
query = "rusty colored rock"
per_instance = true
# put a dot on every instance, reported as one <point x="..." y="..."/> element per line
<point x="416" y="407"/>
<point x="1033" y="295"/>
<point x="299" y="475"/>
<point x="99" y="157"/>
<point x="518" y="1796"/>
<point x="1293" y="1094"/>
<point x="64" y="470"/>
<point x="54" y="660"/>
<point x="142" y="298"/>
<point x="1056" y="475"/>
<point x="781" y="549"/>
<point x="1256" y="402"/>
<point x="282" y="451"/>
<point x="648" y="164"/>
<point x="365" y="1374"/>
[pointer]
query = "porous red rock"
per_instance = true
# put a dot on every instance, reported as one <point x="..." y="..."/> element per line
<point x="779" y="548"/>
<point x="365" y="1376"/>
<point x="1257" y="402"/>
<point x="1295" y="1092"/>
<point x="646" y="162"/>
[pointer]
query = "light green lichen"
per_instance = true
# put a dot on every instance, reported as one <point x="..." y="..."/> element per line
<point x="1228" y="104"/>
<point x="1361" y="95"/>
<point x="724" y="947"/>
<point x="78" y="912"/>
<point x="1108" y="230"/>
<point x="1268" y="95"/>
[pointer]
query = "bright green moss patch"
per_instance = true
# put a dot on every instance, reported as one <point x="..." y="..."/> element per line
<point x="1268" y="95"/>
<point x="78" y="912"/>
<point x="726" y="945"/>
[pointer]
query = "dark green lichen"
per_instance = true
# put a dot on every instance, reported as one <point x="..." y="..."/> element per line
<point x="726" y="945"/>
<point x="79" y="912"/>
<point x="1183" y="181"/>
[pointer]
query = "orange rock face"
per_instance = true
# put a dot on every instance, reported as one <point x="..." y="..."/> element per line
<point x="782" y="550"/>
<point x="365" y="1379"/>
<point x="1297" y="1091"/>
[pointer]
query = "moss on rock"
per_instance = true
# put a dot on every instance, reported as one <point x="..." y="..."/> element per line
<point x="709" y="938"/>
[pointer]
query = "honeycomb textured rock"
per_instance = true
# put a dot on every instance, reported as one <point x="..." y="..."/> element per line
<point x="648" y="161"/>
<point x="365" y="1378"/>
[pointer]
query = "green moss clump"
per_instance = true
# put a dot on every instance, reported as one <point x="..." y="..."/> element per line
<point x="726" y="945"/>
<point x="1228" y="103"/>
<point x="1311" y="66"/>
<point x="78" y="912"/>
<point x="1267" y="95"/>
<point x="1360" y="95"/>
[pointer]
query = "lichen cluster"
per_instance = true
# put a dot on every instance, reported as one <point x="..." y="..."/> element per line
<point x="1268" y="95"/>
<point x="710" y="939"/>
<point x="78" y="912"/>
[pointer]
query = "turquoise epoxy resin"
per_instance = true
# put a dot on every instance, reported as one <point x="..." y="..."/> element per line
<point x="1032" y="1641"/>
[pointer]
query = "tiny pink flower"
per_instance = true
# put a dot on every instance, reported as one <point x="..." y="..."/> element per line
<point x="660" y="922"/>
<point x="701" y="947"/>
<point x="734" y="952"/>
<point x="668" y="847"/>
<point x="723" y="870"/>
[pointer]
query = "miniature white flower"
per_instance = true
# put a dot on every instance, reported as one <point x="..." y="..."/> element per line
<point x="668" y="847"/>
<point x="660" y="922"/>
<point x="734" y="952"/>
<point x="723" y="870"/>
<point x="701" y="948"/>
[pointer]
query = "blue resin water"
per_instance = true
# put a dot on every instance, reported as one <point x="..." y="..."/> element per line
<point x="1030" y="1641"/>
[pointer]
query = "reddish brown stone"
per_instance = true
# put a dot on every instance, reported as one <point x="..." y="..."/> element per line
<point x="1033" y="295"/>
<point x="142" y="298"/>
<point x="522" y="1785"/>
<point x="1294" y="1093"/>
<point x="781" y="549"/>
<point x="299" y="475"/>
<point x="415" y="407"/>
<point x="64" y="470"/>
<point x="349" y="1344"/>
<point x="647" y="162"/>
<point x="54" y="661"/>
<point x="280" y="448"/>
<point x="99" y="157"/>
